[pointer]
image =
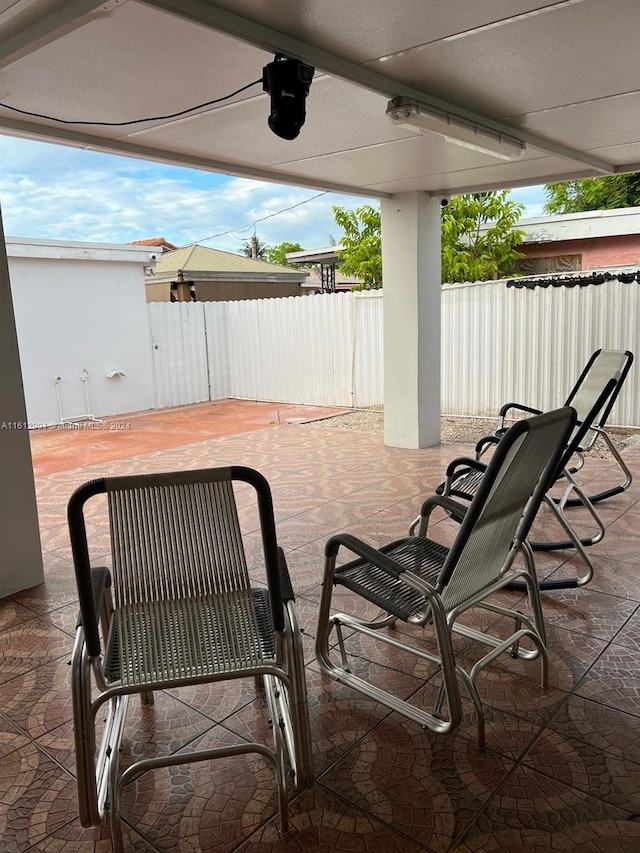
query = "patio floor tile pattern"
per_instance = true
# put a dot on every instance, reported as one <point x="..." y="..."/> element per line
<point x="562" y="765"/>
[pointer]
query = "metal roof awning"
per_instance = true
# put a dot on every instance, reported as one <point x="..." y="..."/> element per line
<point x="524" y="70"/>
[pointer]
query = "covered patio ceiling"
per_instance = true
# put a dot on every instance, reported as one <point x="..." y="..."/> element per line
<point x="561" y="75"/>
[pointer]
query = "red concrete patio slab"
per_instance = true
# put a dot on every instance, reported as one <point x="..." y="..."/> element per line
<point x="75" y="445"/>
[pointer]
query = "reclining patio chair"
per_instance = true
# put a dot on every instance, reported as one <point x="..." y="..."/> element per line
<point x="603" y="365"/>
<point x="464" y="475"/>
<point x="422" y="582"/>
<point x="175" y="609"/>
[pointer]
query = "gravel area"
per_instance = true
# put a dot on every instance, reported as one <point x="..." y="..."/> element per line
<point x="453" y="430"/>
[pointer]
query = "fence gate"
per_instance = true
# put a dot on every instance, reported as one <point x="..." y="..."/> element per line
<point x="179" y="345"/>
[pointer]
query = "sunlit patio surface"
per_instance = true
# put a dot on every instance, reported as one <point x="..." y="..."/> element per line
<point x="562" y="766"/>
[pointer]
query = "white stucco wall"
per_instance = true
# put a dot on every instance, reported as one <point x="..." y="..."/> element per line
<point x="81" y="307"/>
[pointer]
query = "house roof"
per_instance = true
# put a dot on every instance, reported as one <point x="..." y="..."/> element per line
<point x="578" y="226"/>
<point x="520" y="69"/>
<point x="160" y="242"/>
<point x="200" y="262"/>
<point x="328" y="255"/>
<point x="581" y="226"/>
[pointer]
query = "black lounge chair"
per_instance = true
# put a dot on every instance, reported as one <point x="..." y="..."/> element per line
<point x="602" y="366"/>
<point x="426" y="584"/>
<point x="464" y="476"/>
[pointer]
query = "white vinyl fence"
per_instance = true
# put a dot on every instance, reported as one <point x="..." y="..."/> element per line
<point x="498" y="344"/>
<point x="504" y="344"/>
<point x="316" y="350"/>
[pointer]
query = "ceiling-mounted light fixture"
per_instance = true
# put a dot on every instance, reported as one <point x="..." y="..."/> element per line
<point x="456" y="129"/>
<point x="288" y="82"/>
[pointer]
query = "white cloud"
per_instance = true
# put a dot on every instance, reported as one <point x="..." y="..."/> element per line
<point x="53" y="191"/>
<point x="60" y="192"/>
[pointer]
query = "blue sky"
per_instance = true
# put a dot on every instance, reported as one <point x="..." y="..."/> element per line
<point x="59" y="192"/>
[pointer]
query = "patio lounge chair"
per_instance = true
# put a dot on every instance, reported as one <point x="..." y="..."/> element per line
<point x="177" y="609"/>
<point x="602" y="365"/>
<point x="464" y="476"/>
<point x="421" y="582"/>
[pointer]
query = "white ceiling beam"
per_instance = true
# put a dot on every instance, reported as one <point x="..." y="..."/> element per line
<point x="52" y="26"/>
<point x="268" y="39"/>
<point x="46" y="133"/>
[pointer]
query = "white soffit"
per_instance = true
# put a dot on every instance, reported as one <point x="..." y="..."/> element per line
<point x="606" y="123"/>
<point x="362" y="30"/>
<point x="561" y="70"/>
<point x="574" y="53"/>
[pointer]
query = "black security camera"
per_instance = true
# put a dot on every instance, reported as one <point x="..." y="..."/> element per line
<point x="288" y="82"/>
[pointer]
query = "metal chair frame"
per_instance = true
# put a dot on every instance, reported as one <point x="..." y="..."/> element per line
<point x="178" y="609"/>
<point x="582" y="398"/>
<point x="422" y="582"/>
<point x="464" y="474"/>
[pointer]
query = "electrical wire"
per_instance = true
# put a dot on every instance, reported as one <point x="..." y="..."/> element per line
<point x="261" y="219"/>
<point x="133" y="121"/>
<point x="164" y="118"/>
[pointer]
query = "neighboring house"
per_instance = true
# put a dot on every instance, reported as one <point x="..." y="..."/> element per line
<point x="210" y="275"/>
<point x="326" y="277"/>
<point x="597" y="239"/>
<point x="342" y="282"/>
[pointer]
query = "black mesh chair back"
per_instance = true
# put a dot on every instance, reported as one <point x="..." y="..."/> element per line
<point x="516" y="479"/>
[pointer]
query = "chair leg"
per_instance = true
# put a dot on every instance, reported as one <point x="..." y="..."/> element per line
<point x="614" y="490"/>
<point x="273" y="690"/>
<point x="84" y="734"/>
<point x="117" y="842"/>
<point x="573" y="542"/>
<point x="477" y="701"/>
<point x="301" y="756"/>
<point x="557" y="507"/>
<point x="472" y="688"/>
<point x="533" y="588"/>
<point x="445" y="660"/>
<point x="139" y="768"/>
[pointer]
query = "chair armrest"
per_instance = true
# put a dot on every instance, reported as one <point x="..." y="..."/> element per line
<point x="518" y="407"/>
<point x="381" y="561"/>
<point x="286" y="587"/>
<point x="367" y="552"/>
<point x="483" y="445"/>
<point x="464" y="462"/>
<point x="100" y="581"/>
<point x="453" y="508"/>
<point x="455" y="469"/>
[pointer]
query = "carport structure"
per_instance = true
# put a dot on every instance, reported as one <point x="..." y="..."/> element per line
<point x="555" y="82"/>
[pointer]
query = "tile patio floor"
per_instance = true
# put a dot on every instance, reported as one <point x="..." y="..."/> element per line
<point x="562" y="767"/>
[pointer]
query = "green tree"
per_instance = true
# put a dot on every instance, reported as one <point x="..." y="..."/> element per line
<point x="278" y="254"/>
<point x="254" y="248"/>
<point x="361" y="244"/>
<point x="604" y="193"/>
<point x="479" y="236"/>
